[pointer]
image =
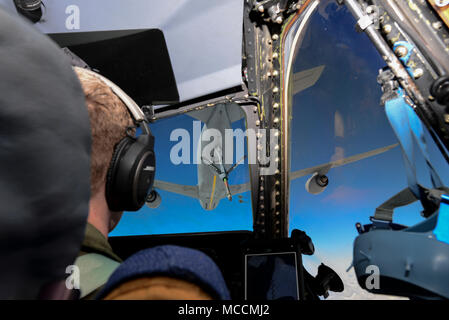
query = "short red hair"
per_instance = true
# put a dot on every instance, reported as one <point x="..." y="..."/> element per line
<point x="109" y="119"/>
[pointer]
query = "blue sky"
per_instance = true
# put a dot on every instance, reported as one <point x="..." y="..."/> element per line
<point x="347" y="91"/>
<point x="178" y="214"/>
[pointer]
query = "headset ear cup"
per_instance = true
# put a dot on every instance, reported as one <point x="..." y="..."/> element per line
<point x="131" y="173"/>
<point x="144" y="169"/>
<point x="111" y="192"/>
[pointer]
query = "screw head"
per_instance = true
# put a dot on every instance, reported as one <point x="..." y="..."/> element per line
<point x="401" y="51"/>
<point x="387" y="28"/>
<point x="418" y="73"/>
<point x="437" y="25"/>
<point x="441" y="3"/>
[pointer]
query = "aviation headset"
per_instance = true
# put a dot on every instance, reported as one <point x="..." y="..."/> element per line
<point x="132" y="169"/>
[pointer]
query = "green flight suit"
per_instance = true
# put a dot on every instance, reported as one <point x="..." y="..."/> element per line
<point x="95" y="242"/>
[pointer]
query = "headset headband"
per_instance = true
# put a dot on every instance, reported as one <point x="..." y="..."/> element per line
<point x="130" y="104"/>
<point x="128" y="179"/>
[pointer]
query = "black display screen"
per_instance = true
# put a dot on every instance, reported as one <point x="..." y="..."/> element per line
<point x="271" y="276"/>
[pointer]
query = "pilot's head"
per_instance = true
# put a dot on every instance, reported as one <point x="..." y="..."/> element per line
<point x="109" y="120"/>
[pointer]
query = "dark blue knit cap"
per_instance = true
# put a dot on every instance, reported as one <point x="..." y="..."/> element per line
<point x="182" y="263"/>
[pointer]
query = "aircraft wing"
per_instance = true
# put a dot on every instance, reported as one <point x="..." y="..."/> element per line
<point x="305" y="79"/>
<point x="192" y="191"/>
<point x="185" y="190"/>
<point x="324" y="168"/>
<point x="239" y="188"/>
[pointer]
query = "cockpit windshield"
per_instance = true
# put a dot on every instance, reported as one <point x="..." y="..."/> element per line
<point x="344" y="157"/>
<point x="340" y="117"/>
<point x="199" y="191"/>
